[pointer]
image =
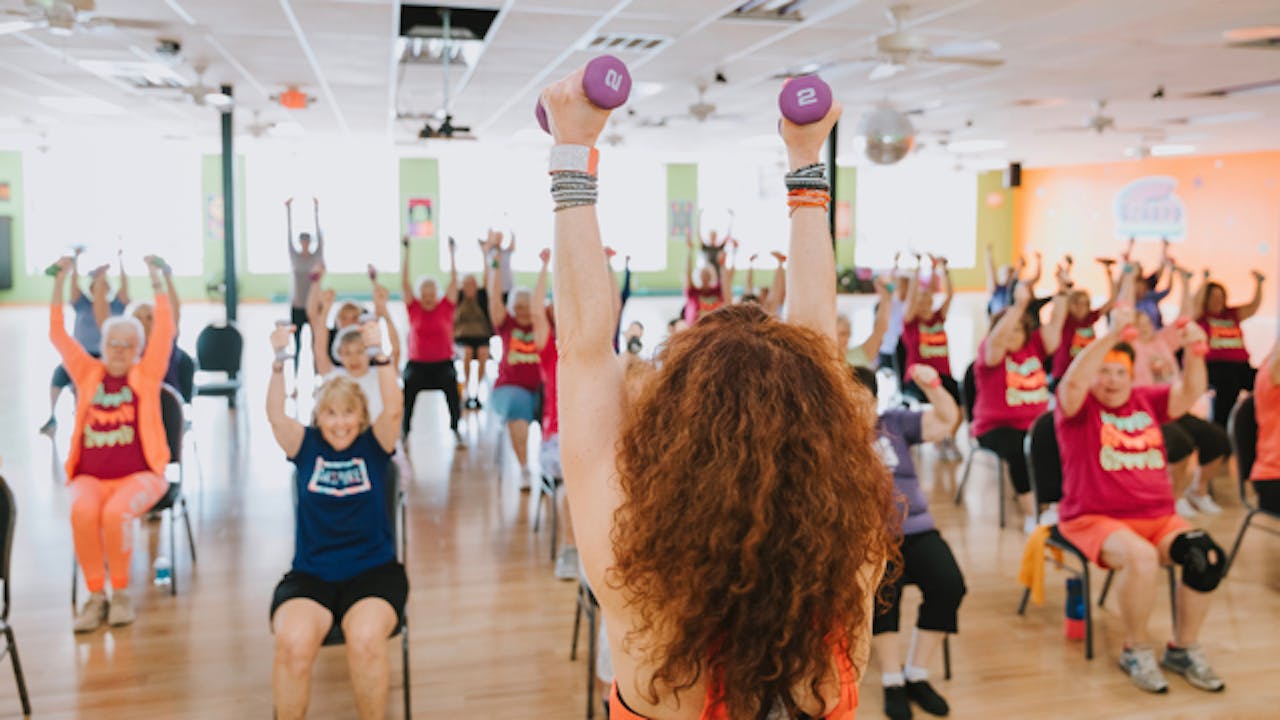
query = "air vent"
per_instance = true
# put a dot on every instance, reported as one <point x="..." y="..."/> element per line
<point x="769" y="10"/>
<point x="141" y="75"/>
<point x="635" y="43"/>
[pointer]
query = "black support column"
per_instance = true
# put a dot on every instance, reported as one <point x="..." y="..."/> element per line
<point x="229" y="207"/>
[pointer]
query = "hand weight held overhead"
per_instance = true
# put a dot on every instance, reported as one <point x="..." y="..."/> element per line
<point x="1199" y="348"/>
<point x="805" y="100"/>
<point x="606" y="82"/>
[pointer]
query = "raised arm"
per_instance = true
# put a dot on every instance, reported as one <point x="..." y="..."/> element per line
<point x="1193" y="381"/>
<point x="74" y="357"/>
<point x="406" y="288"/>
<point x="75" y="277"/>
<point x="913" y="293"/>
<point x="688" y="263"/>
<point x="1197" y="310"/>
<point x="386" y="427"/>
<point x="538" y="305"/>
<point x="1115" y="282"/>
<point x="320" y="342"/>
<point x="1051" y="332"/>
<point x="778" y="292"/>
<point x="749" y="287"/>
<point x="380" y="297"/>
<point x="726" y="278"/>
<point x="1187" y="307"/>
<point x="812" y="254"/>
<point x="122" y="290"/>
<point x="98" y="294"/>
<point x="319" y="251"/>
<point x="1034" y="280"/>
<point x="175" y="302"/>
<point x="155" y="358"/>
<point x="451" y="292"/>
<point x="884" y="306"/>
<point x="943" y="414"/>
<point x="619" y="297"/>
<point x="948" y="291"/>
<point x="1000" y="341"/>
<point x="493" y="288"/>
<point x="1074" y="387"/>
<point x="288" y="228"/>
<point x="1272" y="367"/>
<point x="287" y="431"/>
<point x="1248" y="311"/>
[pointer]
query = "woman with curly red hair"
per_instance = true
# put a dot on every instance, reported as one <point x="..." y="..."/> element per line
<point x="736" y="563"/>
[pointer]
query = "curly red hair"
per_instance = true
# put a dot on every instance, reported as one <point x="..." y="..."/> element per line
<point x="754" y="504"/>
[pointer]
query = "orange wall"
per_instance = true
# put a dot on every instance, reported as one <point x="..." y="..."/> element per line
<point x="1232" y="207"/>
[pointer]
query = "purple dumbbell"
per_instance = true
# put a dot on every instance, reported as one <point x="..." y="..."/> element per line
<point x="606" y="82"/>
<point x="805" y="99"/>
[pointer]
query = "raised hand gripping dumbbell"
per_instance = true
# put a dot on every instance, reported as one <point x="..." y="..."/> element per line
<point x="606" y="82"/>
<point x="805" y="99"/>
<point x="1199" y="348"/>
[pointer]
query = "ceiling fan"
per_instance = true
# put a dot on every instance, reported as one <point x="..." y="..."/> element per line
<point x="700" y="112"/>
<point x="202" y="95"/>
<point x="900" y="47"/>
<point x="1099" y="122"/>
<point x="66" y="18"/>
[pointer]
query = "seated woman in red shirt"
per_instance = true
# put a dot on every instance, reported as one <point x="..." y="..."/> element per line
<point x="1266" y="406"/>
<point x="731" y="585"/>
<point x="1117" y="502"/>
<point x="924" y="335"/>
<point x="118" y="449"/>
<point x="709" y="292"/>
<point x="1013" y="390"/>
<point x="431" y="352"/>
<point x="1228" y="360"/>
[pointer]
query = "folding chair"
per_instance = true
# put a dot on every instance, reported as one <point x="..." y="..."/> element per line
<point x="969" y="396"/>
<point x="9" y="518"/>
<point x="587" y="605"/>
<point x="219" y="349"/>
<point x="1242" y="426"/>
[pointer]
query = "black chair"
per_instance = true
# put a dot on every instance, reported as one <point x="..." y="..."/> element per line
<point x="173" y="500"/>
<point x="9" y="518"/>
<point x="1242" y="426"/>
<point x="219" y="349"/>
<point x="1044" y="465"/>
<point x="186" y="375"/>
<point x="396" y="513"/>
<point x="587" y="605"/>
<point x="969" y="399"/>
<point x="549" y="487"/>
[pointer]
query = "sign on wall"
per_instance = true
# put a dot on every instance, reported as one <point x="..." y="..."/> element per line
<point x="1150" y="207"/>
<point x="421" y="222"/>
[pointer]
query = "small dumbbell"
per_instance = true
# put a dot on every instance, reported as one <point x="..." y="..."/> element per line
<point x="606" y="82"/>
<point x="53" y="270"/>
<point x="1199" y="348"/>
<point x="910" y="375"/>
<point x="805" y="100"/>
<point x="373" y="273"/>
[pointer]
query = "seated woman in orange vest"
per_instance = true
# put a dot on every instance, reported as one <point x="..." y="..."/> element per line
<point x="731" y="584"/>
<point x="924" y="335"/>
<point x="1117" y="502"/>
<point x="344" y="567"/>
<point x="118" y="448"/>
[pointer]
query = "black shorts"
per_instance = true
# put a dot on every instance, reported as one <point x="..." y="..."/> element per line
<point x="475" y="343"/>
<point x="388" y="582"/>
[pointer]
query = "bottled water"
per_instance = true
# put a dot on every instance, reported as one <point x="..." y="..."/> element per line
<point x="163" y="574"/>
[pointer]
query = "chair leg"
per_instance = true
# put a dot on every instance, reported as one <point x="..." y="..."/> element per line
<point x="537" y="506"/>
<point x="577" y="623"/>
<point x="404" y="652"/>
<point x="591" y="663"/>
<point x="186" y="521"/>
<point x="1088" y="613"/>
<point x="1106" y="588"/>
<point x="75" y="580"/>
<point x="946" y="656"/>
<point x="1022" y="606"/>
<point x="1235" y="546"/>
<point x="1000" y="489"/>
<point x="18" y="677"/>
<point x="554" y="517"/>
<point x="964" y="477"/>
<point x="1173" y="599"/>
<point x="173" y="551"/>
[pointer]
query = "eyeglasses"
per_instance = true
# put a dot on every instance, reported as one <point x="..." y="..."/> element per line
<point x="121" y="344"/>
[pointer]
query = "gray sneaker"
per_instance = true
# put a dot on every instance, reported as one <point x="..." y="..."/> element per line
<point x="121" y="612"/>
<point x="1140" y="664"/>
<point x="91" y="614"/>
<point x="1189" y="662"/>
<point x="50" y="427"/>
<point x="567" y="564"/>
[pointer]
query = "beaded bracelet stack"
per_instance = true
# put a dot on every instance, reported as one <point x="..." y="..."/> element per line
<point x="573" y="189"/>
<point x="808" y="187"/>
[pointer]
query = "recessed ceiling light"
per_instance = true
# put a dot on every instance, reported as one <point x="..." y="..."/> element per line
<point x="975" y="146"/>
<point x="1168" y="149"/>
<point x="646" y="89"/>
<point x="82" y="105"/>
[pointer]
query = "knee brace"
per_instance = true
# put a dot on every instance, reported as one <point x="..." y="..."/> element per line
<point x="1201" y="558"/>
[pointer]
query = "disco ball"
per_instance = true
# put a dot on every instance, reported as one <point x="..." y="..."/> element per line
<point x="889" y="135"/>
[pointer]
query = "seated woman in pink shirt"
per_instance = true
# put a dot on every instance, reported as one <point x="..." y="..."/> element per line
<point x="1156" y="363"/>
<point x="1266" y="465"/>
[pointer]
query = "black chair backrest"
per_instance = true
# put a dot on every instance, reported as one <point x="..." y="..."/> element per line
<point x="171" y="414"/>
<point x="186" y="374"/>
<point x="8" y="519"/>
<point x="1242" y="426"/>
<point x="1044" y="463"/>
<point x="219" y="348"/>
<point x="900" y="362"/>
<point x="969" y="393"/>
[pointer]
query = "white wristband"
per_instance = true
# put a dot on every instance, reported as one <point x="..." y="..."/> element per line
<point x="573" y="158"/>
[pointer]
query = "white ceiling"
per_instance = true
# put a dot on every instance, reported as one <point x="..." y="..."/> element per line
<point x="342" y="52"/>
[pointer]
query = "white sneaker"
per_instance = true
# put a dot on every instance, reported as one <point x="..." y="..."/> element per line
<point x="1203" y="503"/>
<point x="526" y="482"/>
<point x="1184" y="508"/>
<point x="1050" y="515"/>
<point x="1029" y="524"/>
<point x="567" y="564"/>
<point x="459" y="442"/>
<point x="121" y="612"/>
<point x="92" y="614"/>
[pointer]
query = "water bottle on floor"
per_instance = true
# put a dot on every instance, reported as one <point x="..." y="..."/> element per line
<point x="1074" y="620"/>
<point x="163" y="574"/>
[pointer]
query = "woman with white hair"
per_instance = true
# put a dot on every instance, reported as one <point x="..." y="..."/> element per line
<point x="118" y="448"/>
<point x="430" y="365"/>
<point x="515" y="392"/>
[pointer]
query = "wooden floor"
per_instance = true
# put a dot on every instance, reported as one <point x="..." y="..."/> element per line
<point x="490" y="625"/>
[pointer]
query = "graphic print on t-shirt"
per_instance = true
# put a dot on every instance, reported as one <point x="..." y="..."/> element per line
<point x="1225" y="334"/>
<point x="523" y="350"/>
<point x="339" y="478"/>
<point x="933" y="341"/>
<point x="1081" y="340"/>
<point x="112" y="419"/>
<point x="1025" y="382"/>
<point x="1131" y="442"/>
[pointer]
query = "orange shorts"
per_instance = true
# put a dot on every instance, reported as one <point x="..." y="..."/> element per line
<point x="1088" y="532"/>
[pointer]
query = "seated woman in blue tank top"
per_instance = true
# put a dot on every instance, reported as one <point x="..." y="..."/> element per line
<point x="344" y="568"/>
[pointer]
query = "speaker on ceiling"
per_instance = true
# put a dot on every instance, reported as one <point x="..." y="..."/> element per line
<point x="1013" y="175"/>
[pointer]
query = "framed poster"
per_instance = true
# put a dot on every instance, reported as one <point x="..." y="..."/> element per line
<point x="421" y="219"/>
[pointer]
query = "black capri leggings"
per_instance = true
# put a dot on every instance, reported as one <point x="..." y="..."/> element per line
<point x="948" y="383"/>
<point x="420" y="376"/>
<point x="1189" y="434"/>
<point x="1268" y="495"/>
<point x="927" y="563"/>
<point x="298" y="316"/>
<point x="1227" y="380"/>
<point x="1007" y="443"/>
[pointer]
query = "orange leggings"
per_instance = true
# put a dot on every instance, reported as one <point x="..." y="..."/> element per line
<point x="102" y="515"/>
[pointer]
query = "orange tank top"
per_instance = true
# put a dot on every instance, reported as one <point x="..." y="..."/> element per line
<point x="712" y="710"/>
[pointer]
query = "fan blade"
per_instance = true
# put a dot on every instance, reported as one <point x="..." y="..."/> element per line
<point x="962" y="60"/>
<point x="128" y="24"/>
<point x="17" y="26"/>
<point x="1138" y="130"/>
<point x="884" y="71"/>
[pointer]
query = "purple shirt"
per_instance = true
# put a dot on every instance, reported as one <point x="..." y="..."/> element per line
<point x="898" y="430"/>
